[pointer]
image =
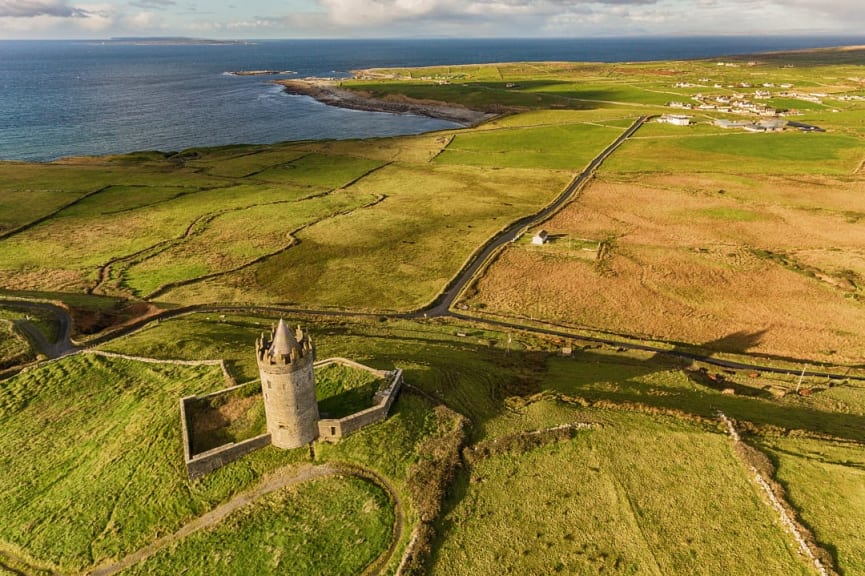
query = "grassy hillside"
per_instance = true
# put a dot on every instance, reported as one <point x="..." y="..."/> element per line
<point x="825" y="482"/>
<point x="503" y="453"/>
<point x="346" y="523"/>
<point x="640" y="495"/>
<point x="654" y="440"/>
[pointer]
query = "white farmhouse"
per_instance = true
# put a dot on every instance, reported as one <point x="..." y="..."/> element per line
<point x="675" y="119"/>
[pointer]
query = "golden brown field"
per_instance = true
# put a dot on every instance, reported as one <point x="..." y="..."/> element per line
<point x="778" y="262"/>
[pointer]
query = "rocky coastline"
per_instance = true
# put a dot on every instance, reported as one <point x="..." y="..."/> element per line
<point x="260" y="72"/>
<point x="328" y="91"/>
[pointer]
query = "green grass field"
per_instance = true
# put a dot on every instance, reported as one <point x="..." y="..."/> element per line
<point x="333" y="526"/>
<point x="397" y="254"/>
<point x="14" y="346"/>
<point x="633" y="451"/>
<point x="246" y="220"/>
<point x="91" y="459"/>
<point x="558" y="147"/>
<point x="639" y="495"/>
<point x="83" y="486"/>
<point x="343" y="390"/>
<point x="740" y="153"/>
<point x="219" y="419"/>
<point x="826" y="482"/>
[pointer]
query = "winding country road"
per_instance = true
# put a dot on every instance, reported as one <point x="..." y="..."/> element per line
<point x="440" y="307"/>
<point x="63" y="345"/>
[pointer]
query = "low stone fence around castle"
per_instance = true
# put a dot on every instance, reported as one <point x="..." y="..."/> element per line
<point x="200" y="464"/>
<point x="351" y="364"/>
<point x="206" y="462"/>
<point x="331" y="430"/>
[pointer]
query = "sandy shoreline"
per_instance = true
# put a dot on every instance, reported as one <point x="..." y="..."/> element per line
<point x="328" y="92"/>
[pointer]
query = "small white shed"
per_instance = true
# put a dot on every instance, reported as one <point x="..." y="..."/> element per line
<point x="540" y="238"/>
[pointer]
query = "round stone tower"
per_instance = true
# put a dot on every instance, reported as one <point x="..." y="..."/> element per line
<point x="288" y="386"/>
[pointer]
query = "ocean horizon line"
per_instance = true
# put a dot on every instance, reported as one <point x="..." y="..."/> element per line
<point x="75" y="97"/>
<point x="776" y="36"/>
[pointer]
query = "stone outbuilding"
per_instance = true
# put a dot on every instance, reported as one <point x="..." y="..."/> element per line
<point x="540" y="238"/>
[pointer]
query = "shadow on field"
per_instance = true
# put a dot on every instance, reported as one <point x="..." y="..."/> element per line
<point x="477" y="377"/>
<point x="737" y="342"/>
<point x="557" y="89"/>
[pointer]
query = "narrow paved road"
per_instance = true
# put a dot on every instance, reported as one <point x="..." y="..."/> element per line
<point x="63" y="344"/>
<point x="441" y="306"/>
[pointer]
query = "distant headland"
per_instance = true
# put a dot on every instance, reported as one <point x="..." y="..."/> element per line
<point x="328" y="91"/>
<point x="260" y="73"/>
<point x="173" y="41"/>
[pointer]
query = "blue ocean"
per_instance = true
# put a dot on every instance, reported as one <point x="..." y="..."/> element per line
<point x="71" y="98"/>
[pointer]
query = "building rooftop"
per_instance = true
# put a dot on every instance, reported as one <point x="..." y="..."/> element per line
<point x="283" y="340"/>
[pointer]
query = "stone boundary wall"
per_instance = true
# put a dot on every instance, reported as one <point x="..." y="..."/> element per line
<point x="200" y="464"/>
<point x="408" y="552"/>
<point x="786" y="519"/>
<point x="331" y="430"/>
<point x="351" y="364"/>
<point x="221" y="363"/>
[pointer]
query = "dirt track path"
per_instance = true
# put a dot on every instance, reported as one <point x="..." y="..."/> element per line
<point x="280" y="479"/>
<point x="283" y="478"/>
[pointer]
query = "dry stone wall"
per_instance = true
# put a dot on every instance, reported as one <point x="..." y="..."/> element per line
<point x="207" y="462"/>
<point x="200" y="464"/>
<point x="331" y="430"/>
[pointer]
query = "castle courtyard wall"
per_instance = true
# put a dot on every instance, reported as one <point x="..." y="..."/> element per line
<point x="200" y="464"/>
<point x="209" y="461"/>
<point x="331" y="430"/>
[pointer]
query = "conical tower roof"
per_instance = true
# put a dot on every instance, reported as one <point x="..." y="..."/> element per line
<point x="283" y="341"/>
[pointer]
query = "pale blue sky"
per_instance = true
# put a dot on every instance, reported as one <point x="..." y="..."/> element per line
<point x="251" y="19"/>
